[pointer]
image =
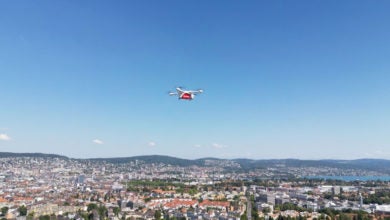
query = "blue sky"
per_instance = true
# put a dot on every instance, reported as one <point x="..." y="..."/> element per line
<point x="282" y="79"/>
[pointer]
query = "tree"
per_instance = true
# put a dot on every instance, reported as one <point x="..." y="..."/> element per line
<point x="192" y="192"/>
<point x="102" y="211"/>
<point x="157" y="214"/>
<point x="91" y="206"/>
<point x="266" y="210"/>
<point x="322" y="217"/>
<point x="22" y="210"/>
<point x="30" y="215"/>
<point x="116" y="210"/>
<point x="243" y="216"/>
<point x="4" y="210"/>
<point x="89" y="216"/>
<point x="44" y="217"/>
<point x="344" y="217"/>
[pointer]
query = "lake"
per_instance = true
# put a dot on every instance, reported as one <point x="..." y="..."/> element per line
<point x="351" y="178"/>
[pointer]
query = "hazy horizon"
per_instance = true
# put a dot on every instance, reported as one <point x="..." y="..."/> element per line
<point x="233" y="158"/>
<point x="288" y="79"/>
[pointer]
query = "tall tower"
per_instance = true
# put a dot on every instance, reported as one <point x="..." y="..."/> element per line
<point x="361" y="201"/>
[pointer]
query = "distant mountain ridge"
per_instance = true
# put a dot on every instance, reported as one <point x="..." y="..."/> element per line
<point x="246" y="164"/>
<point x="10" y="154"/>
<point x="151" y="159"/>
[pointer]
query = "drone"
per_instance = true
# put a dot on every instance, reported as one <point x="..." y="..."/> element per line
<point x="186" y="94"/>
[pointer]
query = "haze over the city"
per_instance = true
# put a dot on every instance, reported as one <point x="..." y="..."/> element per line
<point x="281" y="79"/>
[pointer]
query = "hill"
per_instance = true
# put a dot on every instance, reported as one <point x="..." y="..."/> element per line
<point x="240" y="163"/>
<point x="10" y="154"/>
<point x="152" y="159"/>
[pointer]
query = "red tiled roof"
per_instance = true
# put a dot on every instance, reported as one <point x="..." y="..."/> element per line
<point x="23" y="199"/>
<point x="206" y="203"/>
<point x="176" y="203"/>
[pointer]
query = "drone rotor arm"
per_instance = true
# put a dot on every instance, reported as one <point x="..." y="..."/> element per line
<point x="197" y="91"/>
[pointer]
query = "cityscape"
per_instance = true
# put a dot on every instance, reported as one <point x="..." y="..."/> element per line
<point x="55" y="187"/>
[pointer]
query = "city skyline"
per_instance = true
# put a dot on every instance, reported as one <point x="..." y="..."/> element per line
<point x="305" y="80"/>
